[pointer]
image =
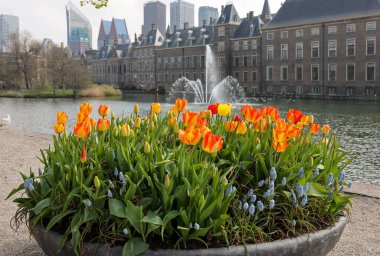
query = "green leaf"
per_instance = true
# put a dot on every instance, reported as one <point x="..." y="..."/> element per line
<point x="316" y="189"/>
<point x="117" y="208"/>
<point x="133" y="214"/>
<point x="135" y="246"/>
<point x="152" y="218"/>
<point x="57" y="218"/>
<point x="207" y="212"/>
<point x="15" y="190"/>
<point x="41" y="205"/>
<point x="168" y="217"/>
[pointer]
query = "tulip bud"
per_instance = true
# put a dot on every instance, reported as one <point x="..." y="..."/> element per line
<point x="167" y="182"/>
<point x="137" y="122"/>
<point x="136" y="108"/>
<point x="311" y="119"/>
<point x="118" y="120"/>
<point x="83" y="155"/>
<point x="154" y="117"/>
<point x="233" y="156"/>
<point x="115" y="131"/>
<point x="146" y="147"/>
<point x="151" y="126"/>
<point x="125" y="130"/>
<point x="164" y="131"/>
<point x="113" y="115"/>
<point x="97" y="182"/>
<point x="67" y="178"/>
<point x="201" y="202"/>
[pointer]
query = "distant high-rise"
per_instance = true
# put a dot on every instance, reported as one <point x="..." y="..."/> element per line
<point x="79" y="30"/>
<point x="154" y="13"/>
<point x="207" y="12"/>
<point x="104" y="33"/>
<point x="181" y="12"/>
<point x="9" y="25"/>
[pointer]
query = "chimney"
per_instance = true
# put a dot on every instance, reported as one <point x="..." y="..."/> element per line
<point x="204" y="23"/>
<point x="135" y="38"/>
<point x="222" y="9"/>
<point x="153" y="26"/>
<point x="251" y="15"/>
<point x="247" y="15"/>
<point x="175" y="29"/>
<point x="61" y="45"/>
<point x="211" y="21"/>
<point x="185" y="25"/>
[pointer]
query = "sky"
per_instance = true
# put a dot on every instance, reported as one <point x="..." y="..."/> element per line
<point x="47" y="18"/>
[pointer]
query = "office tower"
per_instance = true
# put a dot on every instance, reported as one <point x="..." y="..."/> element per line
<point x="104" y="33"/>
<point x="181" y="12"/>
<point x="154" y="13"/>
<point x="118" y="32"/>
<point x="9" y="25"/>
<point x="79" y="31"/>
<point x="206" y="13"/>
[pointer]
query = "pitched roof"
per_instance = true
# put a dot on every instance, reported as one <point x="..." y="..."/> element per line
<point x="266" y="9"/>
<point x="244" y="30"/>
<point x="106" y="26"/>
<point x="295" y="12"/>
<point x="229" y="15"/>
<point x="152" y="38"/>
<point x="190" y="37"/>
<point x="121" y="27"/>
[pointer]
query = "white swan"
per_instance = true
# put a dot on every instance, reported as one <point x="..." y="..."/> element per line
<point x="5" y="121"/>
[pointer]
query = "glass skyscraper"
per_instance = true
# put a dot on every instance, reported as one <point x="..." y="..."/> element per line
<point x="207" y="12"/>
<point x="181" y="12"/>
<point x="9" y="25"/>
<point x="79" y="31"/>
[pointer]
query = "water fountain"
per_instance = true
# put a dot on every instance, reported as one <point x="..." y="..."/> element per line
<point x="214" y="90"/>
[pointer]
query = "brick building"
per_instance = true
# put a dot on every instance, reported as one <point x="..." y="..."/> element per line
<point x="309" y="48"/>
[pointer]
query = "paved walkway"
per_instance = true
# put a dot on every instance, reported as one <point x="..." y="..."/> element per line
<point x="18" y="151"/>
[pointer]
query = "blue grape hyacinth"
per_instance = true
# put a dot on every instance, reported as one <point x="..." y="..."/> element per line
<point x="273" y="173"/>
<point x="260" y="206"/>
<point x="271" y="204"/>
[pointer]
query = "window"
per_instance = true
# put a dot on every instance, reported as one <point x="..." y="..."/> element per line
<point x="350" y="28"/>
<point x="350" y="72"/>
<point x="270" y="36"/>
<point x="331" y="90"/>
<point x="284" y="73"/>
<point x="245" y="45"/>
<point x="194" y="76"/>
<point x="371" y="25"/>
<point x="332" y="72"/>
<point x="269" y="52"/>
<point x="245" y="61"/>
<point x="236" y="46"/>
<point x="299" y="50"/>
<point x="269" y="89"/>
<point x="350" y="91"/>
<point x="236" y="75"/>
<point x="316" y="90"/>
<point x="284" y="51"/>
<point x="173" y="79"/>
<point x="371" y="45"/>
<point x="221" y="31"/>
<point x="203" y="77"/>
<point x="370" y="72"/>
<point x="195" y="60"/>
<point x="299" y="73"/>
<point x="269" y="73"/>
<point x="314" y="72"/>
<point x="254" y="76"/>
<point x="284" y="34"/>
<point x="203" y="61"/>
<point x="254" y="44"/>
<point x="236" y="61"/>
<point x="370" y="91"/>
<point x="299" y="89"/>
<point x="299" y="33"/>
<point x="331" y="30"/>
<point x="350" y="47"/>
<point x="221" y="47"/>
<point x="332" y="48"/>
<point x="314" y="49"/>
<point x="245" y="76"/>
<point x="254" y="60"/>
<point x="314" y="31"/>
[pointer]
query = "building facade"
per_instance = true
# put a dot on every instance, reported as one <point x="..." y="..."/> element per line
<point x="104" y="33"/>
<point x="9" y="25"/>
<point x="205" y="13"/>
<point x="181" y="12"/>
<point x="79" y="30"/>
<point x="329" y="53"/>
<point x="154" y="13"/>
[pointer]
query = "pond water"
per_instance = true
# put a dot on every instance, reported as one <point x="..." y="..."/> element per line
<point x="356" y="123"/>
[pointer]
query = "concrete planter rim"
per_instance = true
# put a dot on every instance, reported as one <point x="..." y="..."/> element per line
<point x="310" y="244"/>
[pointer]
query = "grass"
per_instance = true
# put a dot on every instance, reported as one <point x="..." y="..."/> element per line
<point x="89" y="92"/>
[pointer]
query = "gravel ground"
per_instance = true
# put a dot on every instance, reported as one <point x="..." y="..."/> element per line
<point x="18" y="152"/>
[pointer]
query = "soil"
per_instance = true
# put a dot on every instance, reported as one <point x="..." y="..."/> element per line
<point x="19" y="151"/>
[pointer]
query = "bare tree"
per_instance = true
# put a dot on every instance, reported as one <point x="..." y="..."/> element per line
<point x="26" y="51"/>
<point x="78" y="76"/>
<point x="58" y="62"/>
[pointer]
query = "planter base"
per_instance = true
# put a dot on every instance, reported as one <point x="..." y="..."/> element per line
<point x="314" y="244"/>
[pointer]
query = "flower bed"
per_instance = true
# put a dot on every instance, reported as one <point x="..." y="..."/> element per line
<point x="216" y="178"/>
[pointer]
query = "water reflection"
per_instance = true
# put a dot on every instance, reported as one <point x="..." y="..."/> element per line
<point x="356" y="123"/>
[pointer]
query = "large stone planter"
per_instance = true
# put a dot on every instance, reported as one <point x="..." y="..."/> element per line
<point x="313" y="244"/>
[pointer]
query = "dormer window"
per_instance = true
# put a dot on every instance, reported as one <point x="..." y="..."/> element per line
<point x="251" y="29"/>
<point x="235" y="17"/>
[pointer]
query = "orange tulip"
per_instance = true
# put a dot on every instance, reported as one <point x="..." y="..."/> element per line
<point x="279" y="141"/>
<point x="244" y="109"/>
<point x="156" y="107"/>
<point x="314" y="128"/>
<point x="212" y="143"/>
<point x="204" y="130"/>
<point x="231" y="126"/>
<point x="125" y="130"/>
<point x="103" y="124"/>
<point x="86" y="108"/>
<point x="261" y="124"/>
<point x="104" y="110"/>
<point x="205" y="114"/>
<point x="137" y="122"/>
<point x="180" y="104"/>
<point x="83" y="117"/>
<point x="294" y="116"/>
<point x="136" y="108"/>
<point x="279" y="146"/>
<point x="172" y="122"/>
<point x="201" y="122"/>
<point x="242" y="128"/>
<point x="272" y="112"/>
<point x="59" y="128"/>
<point x="83" y="155"/>
<point x="325" y="129"/>
<point x="92" y="122"/>
<point x="190" y="136"/>
<point x="307" y="120"/>
<point x="251" y="114"/>
<point x="190" y="118"/>
<point x="62" y="117"/>
<point x="293" y="131"/>
<point x="82" y="130"/>
<point x="174" y="110"/>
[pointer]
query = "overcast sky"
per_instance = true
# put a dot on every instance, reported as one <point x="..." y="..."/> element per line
<point x="47" y="19"/>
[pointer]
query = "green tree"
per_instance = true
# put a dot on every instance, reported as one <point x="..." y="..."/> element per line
<point x="97" y="3"/>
